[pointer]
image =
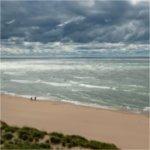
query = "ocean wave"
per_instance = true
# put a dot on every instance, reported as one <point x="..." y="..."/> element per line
<point x="88" y="104"/>
<point x="91" y="86"/>
<point x="94" y="105"/>
<point x="50" y="98"/>
<point x="96" y="86"/>
<point x="70" y="83"/>
<point x="73" y="82"/>
<point x="42" y="82"/>
<point x="75" y="90"/>
<point x="44" y="65"/>
<point x="133" y="85"/>
<point x="13" y="73"/>
<point x="146" y="109"/>
<point x="34" y="66"/>
<point x="22" y="81"/>
<point x="128" y="90"/>
<point x="130" y="109"/>
<point x="14" y="94"/>
<point x="57" y="84"/>
<point x="79" y="77"/>
<point x="115" y="108"/>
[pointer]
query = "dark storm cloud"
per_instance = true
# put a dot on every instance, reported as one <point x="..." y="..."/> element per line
<point x="76" y="21"/>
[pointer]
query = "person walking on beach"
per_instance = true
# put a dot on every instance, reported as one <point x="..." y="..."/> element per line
<point x="35" y="98"/>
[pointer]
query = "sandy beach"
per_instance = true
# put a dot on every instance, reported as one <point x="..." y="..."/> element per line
<point x="126" y="130"/>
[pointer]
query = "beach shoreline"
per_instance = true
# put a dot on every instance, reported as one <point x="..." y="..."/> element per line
<point x="125" y="129"/>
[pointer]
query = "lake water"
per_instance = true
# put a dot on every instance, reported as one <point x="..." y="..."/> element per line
<point x="108" y="83"/>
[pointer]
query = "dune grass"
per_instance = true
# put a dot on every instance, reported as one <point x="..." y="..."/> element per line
<point x="31" y="138"/>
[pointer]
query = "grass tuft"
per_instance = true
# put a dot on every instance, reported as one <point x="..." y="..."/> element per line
<point x="7" y="136"/>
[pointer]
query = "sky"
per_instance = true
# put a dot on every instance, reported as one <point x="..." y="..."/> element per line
<point x="75" y="28"/>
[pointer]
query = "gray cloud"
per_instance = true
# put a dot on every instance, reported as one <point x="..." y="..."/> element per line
<point x="76" y="21"/>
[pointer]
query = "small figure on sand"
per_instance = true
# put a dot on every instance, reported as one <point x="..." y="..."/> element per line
<point x="33" y="99"/>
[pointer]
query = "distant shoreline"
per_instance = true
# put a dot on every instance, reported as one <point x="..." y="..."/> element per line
<point x="24" y="57"/>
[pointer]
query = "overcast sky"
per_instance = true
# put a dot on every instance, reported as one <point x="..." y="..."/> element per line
<point x="81" y="22"/>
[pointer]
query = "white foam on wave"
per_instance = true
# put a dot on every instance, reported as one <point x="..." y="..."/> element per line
<point x="75" y="90"/>
<point x="73" y="82"/>
<point x="77" y="77"/>
<point x="41" y="66"/>
<point x="18" y="73"/>
<point x="96" y="86"/>
<point x="50" y="98"/>
<point x="146" y="109"/>
<point x="63" y="84"/>
<point x="127" y="90"/>
<point x="130" y="109"/>
<point x="42" y="82"/>
<point x="14" y="94"/>
<point x="132" y="85"/>
<point x="91" y="86"/>
<point x="127" y="108"/>
<point x="88" y="104"/>
<point x="57" y="84"/>
<point x="22" y="81"/>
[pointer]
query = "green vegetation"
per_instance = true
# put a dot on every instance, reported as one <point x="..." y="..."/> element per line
<point x="31" y="138"/>
<point x="30" y="134"/>
<point x="7" y="136"/>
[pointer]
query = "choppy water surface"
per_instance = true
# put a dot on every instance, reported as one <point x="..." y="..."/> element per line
<point x="112" y="83"/>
